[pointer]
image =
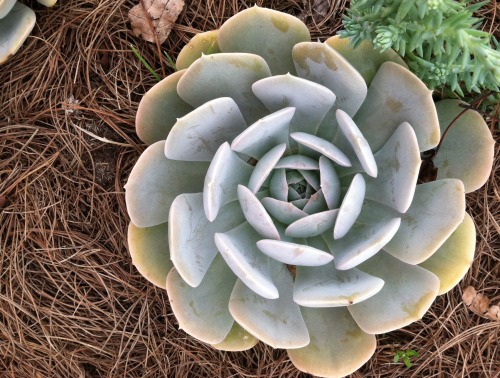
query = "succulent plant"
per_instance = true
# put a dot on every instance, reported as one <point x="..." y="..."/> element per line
<point x="278" y="197"/>
<point x="16" y="23"/>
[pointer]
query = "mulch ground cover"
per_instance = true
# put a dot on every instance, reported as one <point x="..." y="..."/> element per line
<point x="71" y="303"/>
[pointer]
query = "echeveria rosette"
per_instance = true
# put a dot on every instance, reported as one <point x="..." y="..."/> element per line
<point x="278" y="199"/>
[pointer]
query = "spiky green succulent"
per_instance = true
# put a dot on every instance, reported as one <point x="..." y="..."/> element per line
<point x="16" y="22"/>
<point x="440" y="40"/>
<point x="278" y="199"/>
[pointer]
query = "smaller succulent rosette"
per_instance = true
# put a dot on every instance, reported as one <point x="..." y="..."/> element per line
<point x="16" y="23"/>
<point x="278" y="199"/>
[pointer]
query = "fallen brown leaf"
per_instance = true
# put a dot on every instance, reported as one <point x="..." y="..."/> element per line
<point x="480" y="304"/>
<point x="162" y="15"/>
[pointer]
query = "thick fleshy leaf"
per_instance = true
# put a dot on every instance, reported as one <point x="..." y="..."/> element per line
<point x="264" y="134"/>
<point x="408" y="292"/>
<point x="316" y="203"/>
<point x="5" y="7"/>
<point x="312" y="178"/>
<point x="365" y="57"/>
<point x="322" y="146"/>
<point x="338" y="346"/>
<point x="264" y="167"/>
<point x="312" y="225"/>
<point x="363" y="241"/>
<point x="283" y="211"/>
<point x="265" y="32"/>
<point x="159" y="110"/>
<point x="323" y="65"/>
<point x="277" y="322"/>
<point x="47" y="3"/>
<point x="293" y="253"/>
<point x="198" y="135"/>
<point x="225" y="173"/>
<point x="467" y="150"/>
<point x="350" y="207"/>
<point x="154" y="183"/>
<point x="325" y="286"/>
<point x="357" y="143"/>
<point x="237" y="340"/>
<point x="330" y="184"/>
<point x="225" y="75"/>
<point x="148" y="248"/>
<point x="256" y="214"/>
<point x="297" y="162"/>
<point x="202" y="43"/>
<point x="15" y="27"/>
<point x="398" y="165"/>
<point x="437" y="210"/>
<point x="395" y="96"/>
<point x="203" y="311"/>
<point x="238" y="248"/>
<point x="278" y="187"/>
<point x="311" y="101"/>
<point x="191" y="234"/>
<point x="454" y="258"/>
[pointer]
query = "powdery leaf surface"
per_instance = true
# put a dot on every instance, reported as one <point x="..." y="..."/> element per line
<point x="480" y="304"/>
<point x="162" y="13"/>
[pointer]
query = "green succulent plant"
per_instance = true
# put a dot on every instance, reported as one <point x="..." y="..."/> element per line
<point x="16" y="23"/>
<point x="278" y="197"/>
<point x="440" y="40"/>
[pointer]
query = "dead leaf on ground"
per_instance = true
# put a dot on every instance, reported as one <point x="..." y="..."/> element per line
<point x="480" y="304"/>
<point x="162" y="15"/>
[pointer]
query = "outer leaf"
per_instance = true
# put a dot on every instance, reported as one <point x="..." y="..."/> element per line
<point x="395" y="96"/>
<point x="310" y="100"/>
<point x="350" y="207"/>
<point x="238" y="248"/>
<point x="468" y="148"/>
<point x="293" y="253"/>
<point x="159" y="109"/>
<point x="325" y="286"/>
<point x="202" y="43"/>
<point x="452" y="261"/>
<point x="312" y="225"/>
<point x="283" y="211"/>
<point x="357" y="144"/>
<point x="5" y="7"/>
<point x="225" y="75"/>
<point x="264" y="167"/>
<point x="264" y="134"/>
<point x="202" y="311"/>
<point x="277" y="322"/>
<point x="338" y="346"/>
<point x="436" y="211"/>
<point x="265" y="32"/>
<point x="191" y="234"/>
<point x="365" y="57"/>
<point x="225" y="173"/>
<point x="323" y="65"/>
<point x="148" y="248"/>
<point x="398" y="165"/>
<point x="15" y="27"/>
<point x="408" y="292"/>
<point x="256" y="214"/>
<point x="154" y="183"/>
<point x="363" y="241"/>
<point x="198" y="135"/>
<point x="237" y="340"/>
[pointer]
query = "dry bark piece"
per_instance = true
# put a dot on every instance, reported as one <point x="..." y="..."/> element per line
<point x="480" y="304"/>
<point x="162" y="16"/>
